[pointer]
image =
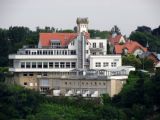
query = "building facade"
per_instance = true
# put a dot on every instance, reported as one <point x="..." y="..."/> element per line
<point x="70" y="64"/>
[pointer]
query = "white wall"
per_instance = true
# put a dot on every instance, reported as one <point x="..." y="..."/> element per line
<point x="72" y="46"/>
<point x="138" y="52"/>
<point x="98" y="41"/>
<point x="107" y="58"/>
<point x="82" y="28"/>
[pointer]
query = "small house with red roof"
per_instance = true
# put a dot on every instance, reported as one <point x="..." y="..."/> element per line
<point x="115" y="40"/>
<point x="120" y="45"/>
<point x="118" y="39"/>
<point x="130" y="47"/>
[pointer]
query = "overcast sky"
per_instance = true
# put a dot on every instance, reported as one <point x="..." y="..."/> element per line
<point x="102" y="14"/>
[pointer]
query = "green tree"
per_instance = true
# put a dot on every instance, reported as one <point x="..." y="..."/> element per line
<point x="131" y="60"/>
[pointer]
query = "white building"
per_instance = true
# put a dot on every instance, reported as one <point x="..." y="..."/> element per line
<point x="69" y="63"/>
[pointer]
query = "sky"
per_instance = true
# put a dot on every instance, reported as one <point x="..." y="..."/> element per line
<point x="102" y="14"/>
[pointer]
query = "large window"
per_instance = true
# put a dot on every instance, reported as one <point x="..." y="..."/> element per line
<point x="56" y="64"/>
<point x="105" y="64"/>
<point x="44" y="82"/>
<point x="39" y="52"/>
<point x="44" y="52"/>
<point x="39" y="64"/>
<point x="67" y="64"/>
<point x="100" y="45"/>
<point x="22" y="64"/>
<point x="94" y="45"/>
<point x="98" y="64"/>
<point x="33" y="64"/>
<point x="72" y="43"/>
<point x="45" y="65"/>
<point x="55" y="44"/>
<point x="113" y="64"/>
<point x="73" y="52"/>
<point x="73" y="64"/>
<point x="28" y="64"/>
<point x="50" y="64"/>
<point x="61" y="64"/>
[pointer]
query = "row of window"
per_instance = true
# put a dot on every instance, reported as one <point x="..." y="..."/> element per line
<point x="55" y="44"/>
<point x="45" y="82"/>
<point x="106" y="64"/>
<point x="51" y="52"/>
<point x="48" y="64"/>
<point x="86" y="83"/>
<point x="94" y="45"/>
<point x="31" y="74"/>
<point x="29" y="84"/>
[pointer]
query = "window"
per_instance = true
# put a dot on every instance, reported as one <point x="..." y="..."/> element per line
<point x="61" y="64"/>
<point x="22" y="64"/>
<point x="100" y="45"/>
<point x="51" y="52"/>
<point x="101" y="73"/>
<point x="113" y="64"/>
<point x="39" y="52"/>
<point x="56" y="44"/>
<point x="73" y="52"/>
<point x="98" y="64"/>
<point x="50" y="64"/>
<point x="39" y="64"/>
<point x="25" y="83"/>
<point x="73" y="64"/>
<point x="33" y="64"/>
<point x="72" y="43"/>
<point x="44" y="52"/>
<point x="95" y="83"/>
<point x="44" y="89"/>
<point x="56" y="64"/>
<point x="105" y="64"/>
<point x="94" y="53"/>
<point x="30" y="84"/>
<point x="45" y="65"/>
<point x="28" y="64"/>
<point x="87" y="51"/>
<point x="67" y="64"/>
<point x="44" y="82"/>
<point x="44" y="74"/>
<point x="30" y="74"/>
<point x="24" y="74"/>
<point x="94" y="45"/>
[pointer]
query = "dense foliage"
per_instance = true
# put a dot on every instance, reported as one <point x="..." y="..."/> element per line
<point x="138" y="63"/>
<point x="138" y="100"/>
<point x="144" y="34"/>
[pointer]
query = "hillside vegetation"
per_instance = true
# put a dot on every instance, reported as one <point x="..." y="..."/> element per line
<point x="138" y="100"/>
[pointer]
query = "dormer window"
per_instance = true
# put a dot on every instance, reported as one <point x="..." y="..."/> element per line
<point x="72" y="43"/>
<point x="55" y="43"/>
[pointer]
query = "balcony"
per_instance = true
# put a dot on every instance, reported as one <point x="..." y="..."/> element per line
<point x="96" y="49"/>
<point x="46" y="57"/>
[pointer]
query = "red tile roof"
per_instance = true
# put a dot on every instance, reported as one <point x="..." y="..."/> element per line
<point x="65" y="38"/>
<point x="115" y="40"/>
<point x="130" y="45"/>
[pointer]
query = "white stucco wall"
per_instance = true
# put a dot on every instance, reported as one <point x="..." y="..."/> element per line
<point x="138" y="52"/>
<point x="98" y="41"/>
<point x="107" y="58"/>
